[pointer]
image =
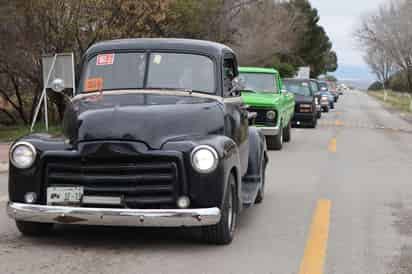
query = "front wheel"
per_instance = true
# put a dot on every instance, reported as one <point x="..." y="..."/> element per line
<point x="261" y="194"/>
<point x="222" y="233"/>
<point x="287" y="135"/>
<point x="34" y="229"/>
<point x="275" y="142"/>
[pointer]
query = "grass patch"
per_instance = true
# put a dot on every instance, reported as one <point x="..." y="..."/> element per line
<point x="395" y="99"/>
<point x="9" y="134"/>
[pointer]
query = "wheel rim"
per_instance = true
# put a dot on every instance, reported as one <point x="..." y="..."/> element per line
<point x="231" y="216"/>
<point x="281" y="134"/>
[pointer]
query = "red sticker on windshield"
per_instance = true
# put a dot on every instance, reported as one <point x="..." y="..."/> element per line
<point x="93" y="84"/>
<point x="105" y="59"/>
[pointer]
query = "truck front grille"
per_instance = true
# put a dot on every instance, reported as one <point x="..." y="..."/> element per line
<point x="140" y="184"/>
<point x="261" y="116"/>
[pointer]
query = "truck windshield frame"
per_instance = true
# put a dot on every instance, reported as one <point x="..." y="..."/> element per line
<point x="260" y="82"/>
<point x="180" y="71"/>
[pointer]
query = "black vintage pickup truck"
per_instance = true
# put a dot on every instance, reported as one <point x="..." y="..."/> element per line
<point x="157" y="135"/>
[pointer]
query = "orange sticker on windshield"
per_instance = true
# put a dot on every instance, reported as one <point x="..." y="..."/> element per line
<point x="93" y="84"/>
<point x="105" y="59"/>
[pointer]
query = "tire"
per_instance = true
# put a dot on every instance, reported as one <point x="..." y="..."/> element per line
<point x="34" y="229"/>
<point x="319" y="114"/>
<point x="326" y="109"/>
<point x="222" y="233"/>
<point x="287" y="135"/>
<point x="275" y="142"/>
<point x="261" y="193"/>
<point x="314" y="123"/>
<point x="332" y="106"/>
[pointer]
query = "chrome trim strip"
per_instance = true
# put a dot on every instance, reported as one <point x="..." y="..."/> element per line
<point x="269" y="131"/>
<point x="113" y="216"/>
<point x="147" y="91"/>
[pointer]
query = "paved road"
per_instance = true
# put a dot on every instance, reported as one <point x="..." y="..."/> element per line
<point x="339" y="195"/>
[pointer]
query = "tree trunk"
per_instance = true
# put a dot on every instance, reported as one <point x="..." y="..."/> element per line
<point x="409" y="78"/>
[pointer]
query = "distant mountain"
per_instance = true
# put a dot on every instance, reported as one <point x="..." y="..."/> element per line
<point x="358" y="76"/>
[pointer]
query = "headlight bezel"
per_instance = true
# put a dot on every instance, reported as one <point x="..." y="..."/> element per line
<point x="271" y="113"/>
<point x="13" y="160"/>
<point x="214" y="155"/>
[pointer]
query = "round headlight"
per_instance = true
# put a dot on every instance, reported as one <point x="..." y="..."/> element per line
<point x="204" y="159"/>
<point x="271" y="115"/>
<point x="22" y="155"/>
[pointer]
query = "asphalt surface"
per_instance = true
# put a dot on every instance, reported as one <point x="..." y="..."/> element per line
<point x="339" y="196"/>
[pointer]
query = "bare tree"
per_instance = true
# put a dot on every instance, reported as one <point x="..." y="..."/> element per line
<point x="380" y="63"/>
<point x="390" y="29"/>
<point x="266" y="29"/>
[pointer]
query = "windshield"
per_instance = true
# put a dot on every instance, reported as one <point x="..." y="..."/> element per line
<point x="323" y="86"/>
<point x="115" y="71"/>
<point x="259" y="82"/>
<point x="299" y="88"/>
<point x="314" y="86"/>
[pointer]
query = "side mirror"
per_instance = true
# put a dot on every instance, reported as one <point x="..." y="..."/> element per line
<point x="57" y="85"/>
<point x="237" y="86"/>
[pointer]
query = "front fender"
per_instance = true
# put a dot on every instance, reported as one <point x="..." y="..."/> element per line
<point x="22" y="181"/>
<point x="209" y="189"/>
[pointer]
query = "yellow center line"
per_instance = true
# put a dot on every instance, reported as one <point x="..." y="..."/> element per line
<point x="315" y="251"/>
<point x="332" y="145"/>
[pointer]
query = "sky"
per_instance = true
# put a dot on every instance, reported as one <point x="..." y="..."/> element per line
<point x="340" y="19"/>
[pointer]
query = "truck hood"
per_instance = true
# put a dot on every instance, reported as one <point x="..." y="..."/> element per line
<point x="261" y="99"/>
<point x="153" y="119"/>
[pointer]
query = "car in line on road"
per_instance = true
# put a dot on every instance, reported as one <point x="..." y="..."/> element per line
<point x="157" y="136"/>
<point x="324" y="87"/>
<point x="322" y="99"/>
<point x="264" y="94"/>
<point x="305" y="108"/>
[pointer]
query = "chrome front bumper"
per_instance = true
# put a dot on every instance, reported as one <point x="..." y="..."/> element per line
<point x="113" y="217"/>
<point x="269" y="131"/>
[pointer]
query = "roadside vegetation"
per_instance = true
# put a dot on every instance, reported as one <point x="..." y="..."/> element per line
<point x="11" y="133"/>
<point x="397" y="100"/>
<point x="266" y="33"/>
<point x="385" y="36"/>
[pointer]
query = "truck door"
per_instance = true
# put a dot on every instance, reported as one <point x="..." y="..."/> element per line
<point x="236" y="116"/>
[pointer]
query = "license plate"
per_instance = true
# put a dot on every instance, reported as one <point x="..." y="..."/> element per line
<point x="64" y="195"/>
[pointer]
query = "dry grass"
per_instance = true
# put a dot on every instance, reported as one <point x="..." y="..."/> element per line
<point x="8" y="134"/>
<point x="397" y="100"/>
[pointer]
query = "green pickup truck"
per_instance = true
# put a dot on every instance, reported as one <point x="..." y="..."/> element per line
<point x="263" y="93"/>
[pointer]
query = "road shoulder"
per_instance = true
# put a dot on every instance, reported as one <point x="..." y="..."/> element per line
<point x="406" y="116"/>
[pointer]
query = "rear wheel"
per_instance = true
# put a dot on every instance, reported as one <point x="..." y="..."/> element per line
<point x="34" y="229"/>
<point x="275" y="142"/>
<point x="287" y="135"/>
<point x="332" y="106"/>
<point x="223" y="232"/>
